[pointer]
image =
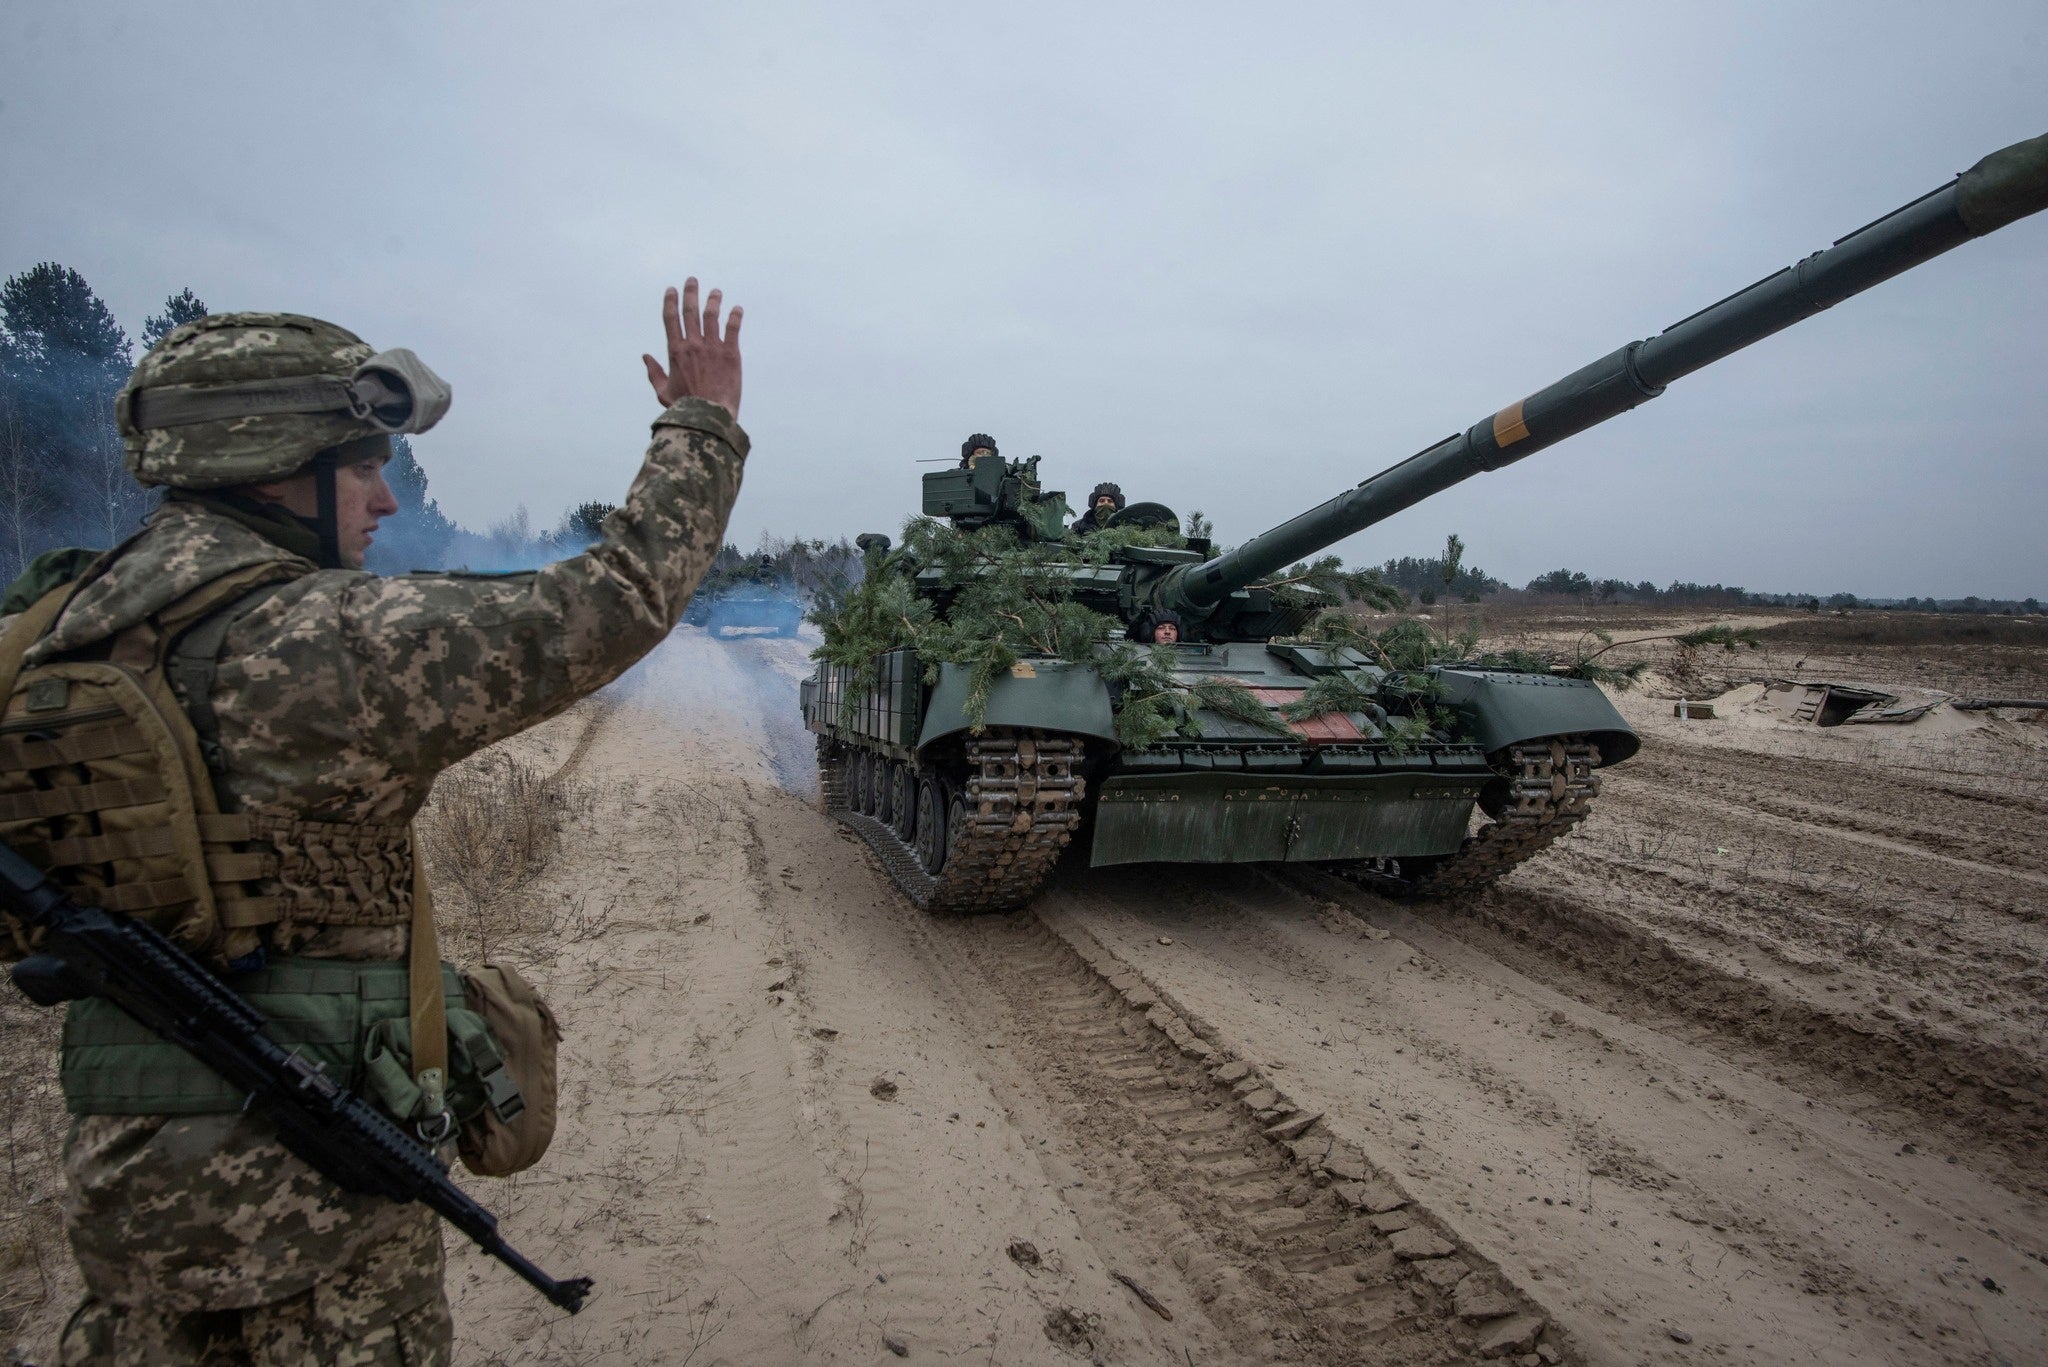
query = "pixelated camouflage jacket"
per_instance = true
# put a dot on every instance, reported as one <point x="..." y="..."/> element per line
<point x="340" y="698"/>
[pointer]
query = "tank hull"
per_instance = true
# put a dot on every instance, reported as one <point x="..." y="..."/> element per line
<point x="1336" y="791"/>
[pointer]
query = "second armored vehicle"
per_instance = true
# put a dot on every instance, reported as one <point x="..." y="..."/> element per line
<point x="750" y="597"/>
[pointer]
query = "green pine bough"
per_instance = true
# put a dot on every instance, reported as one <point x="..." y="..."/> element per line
<point x="1008" y="599"/>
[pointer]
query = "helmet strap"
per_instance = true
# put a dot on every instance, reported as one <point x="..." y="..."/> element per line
<point x="325" y="520"/>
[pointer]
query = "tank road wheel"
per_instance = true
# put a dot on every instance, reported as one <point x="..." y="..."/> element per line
<point x="956" y="813"/>
<point x="930" y="840"/>
<point x="857" y="796"/>
<point x="903" y="800"/>
<point x="882" y="790"/>
<point x="986" y="835"/>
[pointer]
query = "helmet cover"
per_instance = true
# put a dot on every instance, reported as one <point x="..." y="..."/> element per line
<point x="212" y="362"/>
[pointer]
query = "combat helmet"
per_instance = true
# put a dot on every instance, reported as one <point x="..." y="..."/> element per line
<point x="240" y="398"/>
<point x="976" y="441"/>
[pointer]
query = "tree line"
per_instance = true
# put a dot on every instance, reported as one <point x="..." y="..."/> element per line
<point x="63" y="357"/>
<point x="1578" y="584"/>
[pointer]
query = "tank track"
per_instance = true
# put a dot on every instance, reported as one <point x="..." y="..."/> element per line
<point x="1005" y="829"/>
<point x="1551" y="787"/>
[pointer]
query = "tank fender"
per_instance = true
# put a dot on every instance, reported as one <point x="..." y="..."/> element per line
<point x="1050" y="694"/>
<point x="1505" y="708"/>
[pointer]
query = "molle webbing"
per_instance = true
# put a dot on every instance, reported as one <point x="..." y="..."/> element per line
<point x="348" y="1015"/>
<point x="331" y="873"/>
<point x="108" y="773"/>
<point x="103" y="786"/>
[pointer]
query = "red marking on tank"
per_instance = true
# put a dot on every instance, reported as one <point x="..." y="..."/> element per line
<point x="1331" y="727"/>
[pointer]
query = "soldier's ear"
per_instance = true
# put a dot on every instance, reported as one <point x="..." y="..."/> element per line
<point x="277" y="491"/>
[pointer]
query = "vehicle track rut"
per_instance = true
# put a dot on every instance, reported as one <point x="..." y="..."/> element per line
<point x="1302" y="1249"/>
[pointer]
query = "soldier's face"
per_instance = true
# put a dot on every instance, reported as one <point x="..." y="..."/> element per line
<point x="361" y="500"/>
<point x="1166" y="634"/>
<point x="1105" y="502"/>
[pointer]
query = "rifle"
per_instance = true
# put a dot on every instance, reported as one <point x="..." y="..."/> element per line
<point x="90" y="952"/>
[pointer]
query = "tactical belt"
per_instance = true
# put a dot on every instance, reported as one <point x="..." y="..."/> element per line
<point x="351" y="1016"/>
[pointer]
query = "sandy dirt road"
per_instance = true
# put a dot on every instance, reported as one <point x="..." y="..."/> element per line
<point x="1666" y="1088"/>
<point x="783" y="1138"/>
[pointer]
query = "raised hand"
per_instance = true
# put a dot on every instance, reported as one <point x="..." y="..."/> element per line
<point x="701" y="363"/>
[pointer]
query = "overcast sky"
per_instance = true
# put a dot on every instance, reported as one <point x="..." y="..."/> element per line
<point x="1233" y="262"/>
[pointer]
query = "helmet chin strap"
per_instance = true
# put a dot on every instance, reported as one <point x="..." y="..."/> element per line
<point x="325" y="521"/>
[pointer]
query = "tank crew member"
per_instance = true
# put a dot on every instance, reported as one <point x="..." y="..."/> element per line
<point x="977" y="447"/>
<point x="1157" y="626"/>
<point x="1106" y="502"/>
<point x="334" y="697"/>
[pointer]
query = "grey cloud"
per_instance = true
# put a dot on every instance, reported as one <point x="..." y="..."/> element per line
<point x="1229" y="261"/>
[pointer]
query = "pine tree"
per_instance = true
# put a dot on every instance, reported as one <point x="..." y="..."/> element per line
<point x="179" y="308"/>
<point x="583" y="524"/>
<point x="64" y="360"/>
<point x="417" y="536"/>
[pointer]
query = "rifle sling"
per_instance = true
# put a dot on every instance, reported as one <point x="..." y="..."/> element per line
<point x="429" y="1002"/>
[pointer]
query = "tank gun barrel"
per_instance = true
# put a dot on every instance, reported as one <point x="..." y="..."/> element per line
<point x="2005" y="186"/>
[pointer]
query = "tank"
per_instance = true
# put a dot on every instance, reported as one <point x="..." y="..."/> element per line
<point x="971" y="796"/>
<point x="749" y="597"/>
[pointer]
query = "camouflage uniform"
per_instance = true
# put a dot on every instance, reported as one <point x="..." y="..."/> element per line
<point x="339" y="698"/>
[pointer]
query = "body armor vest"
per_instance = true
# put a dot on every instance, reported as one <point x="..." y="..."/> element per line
<point x="106" y="782"/>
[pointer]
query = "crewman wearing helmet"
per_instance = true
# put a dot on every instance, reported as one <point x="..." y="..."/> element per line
<point x="978" y="446"/>
<point x="1103" y="504"/>
<point x="1157" y="626"/>
<point x="326" y="700"/>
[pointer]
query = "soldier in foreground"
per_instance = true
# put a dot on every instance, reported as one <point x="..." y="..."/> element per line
<point x="325" y="701"/>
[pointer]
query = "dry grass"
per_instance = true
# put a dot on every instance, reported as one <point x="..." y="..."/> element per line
<point x="493" y="825"/>
<point x="35" y="1266"/>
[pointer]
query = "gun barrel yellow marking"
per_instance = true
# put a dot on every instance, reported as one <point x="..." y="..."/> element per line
<point x="1508" y="427"/>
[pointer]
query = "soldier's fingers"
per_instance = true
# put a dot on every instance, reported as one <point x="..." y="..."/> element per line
<point x="672" y="324"/>
<point x="711" y="304"/>
<point x="732" y="325"/>
<point x="691" y="322"/>
<point x="656" y="376"/>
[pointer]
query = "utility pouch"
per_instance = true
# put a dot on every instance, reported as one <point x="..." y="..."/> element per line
<point x="497" y="1141"/>
<point x="478" y="1086"/>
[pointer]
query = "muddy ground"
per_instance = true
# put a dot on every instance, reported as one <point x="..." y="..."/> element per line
<point x="1749" y="1069"/>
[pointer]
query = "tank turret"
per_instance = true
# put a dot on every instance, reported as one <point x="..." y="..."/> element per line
<point x="969" y="772"/>
<point x="990" y="491"/>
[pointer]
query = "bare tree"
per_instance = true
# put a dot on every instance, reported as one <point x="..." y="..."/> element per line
<point x="25" y="499"/>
